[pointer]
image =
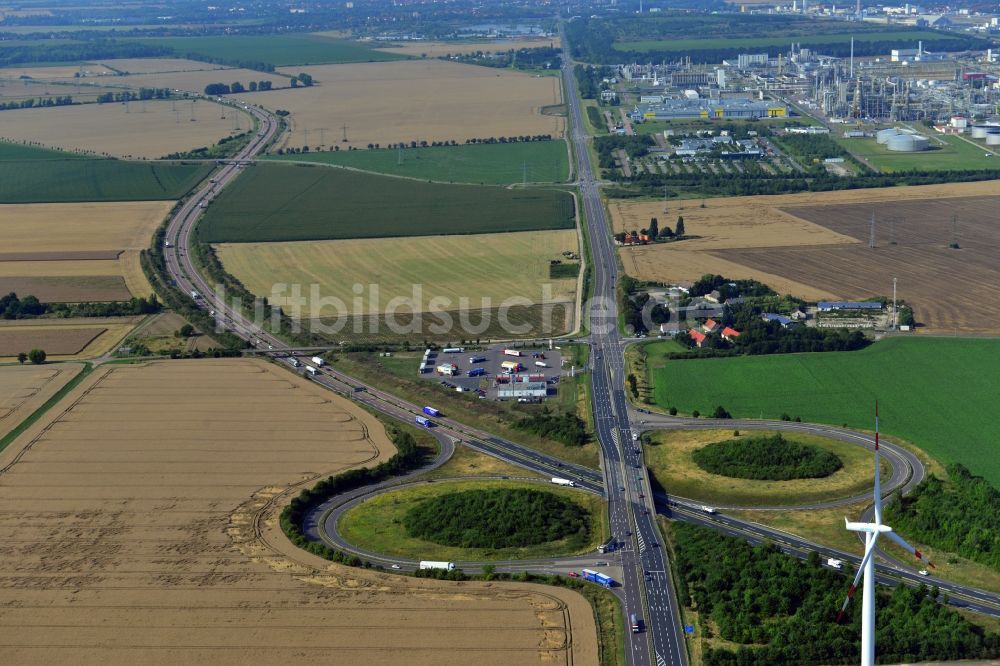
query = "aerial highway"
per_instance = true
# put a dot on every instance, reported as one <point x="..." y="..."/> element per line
<point x="647" y="588"/>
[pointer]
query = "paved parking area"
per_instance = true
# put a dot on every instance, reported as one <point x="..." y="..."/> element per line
<point x="537" y="361"/>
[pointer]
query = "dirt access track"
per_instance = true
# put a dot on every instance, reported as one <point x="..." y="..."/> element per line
<point x="138" y="525"/>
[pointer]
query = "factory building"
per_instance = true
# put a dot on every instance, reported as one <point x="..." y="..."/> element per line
<point x="686" y="109"/>
<point x="747" y="60"/>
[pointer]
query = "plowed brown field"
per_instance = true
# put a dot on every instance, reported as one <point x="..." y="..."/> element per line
<point x="138" y="525"/>
<point x="952" y="290"/>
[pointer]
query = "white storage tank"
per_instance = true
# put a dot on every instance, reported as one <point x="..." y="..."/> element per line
<point x="993" y="139"/>
<point x="908" y="143"/>
<point x="883" y="136"/>
<point x="979" y="132"/>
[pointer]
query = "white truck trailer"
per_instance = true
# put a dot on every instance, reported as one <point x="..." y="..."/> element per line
<point x="428" y="564"/>
<point x="836" y="564"/>
<point x="318" y="360"/>
<point x="563" y="482"/>
<point x="311" y="370"/>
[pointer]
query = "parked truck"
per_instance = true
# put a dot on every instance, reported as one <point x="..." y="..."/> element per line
<point x="563" y="482"/>
<point x="541" y="364"/>
<point x="424" y="421"/>
<point x="430" y="411"/>
<point x="512" y="352"/>
<point x="477" y="372"/>
<point x="429" y="564"/>
<point x="318" y="360"/>
<point x="476" y="359"/>
<point x="453" y="350"/>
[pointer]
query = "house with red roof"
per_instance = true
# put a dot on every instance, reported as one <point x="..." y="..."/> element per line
<point x="710" y="326"/>
<point x="697" y="336"/>
<point x="730" y="334"/>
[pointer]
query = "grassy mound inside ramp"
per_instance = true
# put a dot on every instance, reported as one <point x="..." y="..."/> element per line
<point x="770" y="458"/>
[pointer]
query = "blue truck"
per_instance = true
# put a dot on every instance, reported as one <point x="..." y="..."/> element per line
<point x="430" y="411"/>
<point x="424" y="421"/>
<point x="596" y="577"/>
<point x="477" y="372"/>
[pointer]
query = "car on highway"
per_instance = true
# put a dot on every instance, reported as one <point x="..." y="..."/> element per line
<point x="600" y="563"/>
<point x="923" y="572"/>
<point x="573" y="574"/>
<point x="394" y="566"/>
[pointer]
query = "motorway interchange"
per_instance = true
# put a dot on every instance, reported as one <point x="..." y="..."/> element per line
<point x="646" y="585"/>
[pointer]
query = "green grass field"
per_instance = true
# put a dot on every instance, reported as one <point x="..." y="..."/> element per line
<point x="30" y="175"/>
<point x="938" y="393"/>
<point x="278" y="202"/>
<point x="957" y="154"/>
<point x="486" y="164"/>
<point x="377" y="524"/>
<point x="277" y="50"/>
<point x="683" y="45"/>
<point x="13" y="152"/>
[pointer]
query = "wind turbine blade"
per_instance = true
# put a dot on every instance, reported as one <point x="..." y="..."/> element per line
<point x="857" y="576"/>
<point x="902" y="542"/>
<point x="878" y="480"/>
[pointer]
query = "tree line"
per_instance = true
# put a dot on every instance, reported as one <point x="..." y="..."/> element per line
<point x="781" y="610"/>
<point x="29" y="307"/>
<point x="958" y="515"/>
<point x="35" y="103"/>
<point x="497" y="518"/>
<point x="768" y="458"/>
<point x="217" y="89"/>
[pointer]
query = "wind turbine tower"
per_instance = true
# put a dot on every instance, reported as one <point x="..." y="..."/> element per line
<point x="872" y="532"/>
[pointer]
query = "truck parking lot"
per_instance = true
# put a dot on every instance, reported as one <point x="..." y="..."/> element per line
<point x="538" y="363"/>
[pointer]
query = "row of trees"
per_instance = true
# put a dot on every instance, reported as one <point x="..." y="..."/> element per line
<point x="530" y="58"/>
<point x="728" y="288"/>
<point x="217" y="89"/>
<point x="781" y="610"/>
<point x="29" y="307"/>
<point x="958" y="515"/>
<point x="133" y="95"/>
<point x="766" y="457"/>
<point x="40" y="102"/>
<point x="635" y="147"/>
<point x="656" y="232"/>
<point x="497" y="518"/>
<point x="36" y="356"/>
<point x="565" y="427"/>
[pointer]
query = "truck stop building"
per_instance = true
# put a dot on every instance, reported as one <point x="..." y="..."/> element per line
<point x="522" y="390"/>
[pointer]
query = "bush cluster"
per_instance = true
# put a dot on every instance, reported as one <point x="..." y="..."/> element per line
<point x="497" y="518"/>
<point x="769" y="458"/>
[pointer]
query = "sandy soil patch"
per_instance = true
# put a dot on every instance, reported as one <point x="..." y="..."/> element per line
<point x="125" y="131"/>
<point x="23" y="389"/>
<point x="493" y="266"/>
<point x="157" y="65"/>
<point x="419" y="100"/>
<point x="55" y="240"/>
<point x="169" y="549"/>
<point x="436" y="49"/>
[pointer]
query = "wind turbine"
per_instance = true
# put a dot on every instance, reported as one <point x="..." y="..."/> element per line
<point x="872" y="532"/>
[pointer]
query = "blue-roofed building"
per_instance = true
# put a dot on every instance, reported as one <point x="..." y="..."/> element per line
<point x="828" y="306"/>
<point x="781" y="319"/>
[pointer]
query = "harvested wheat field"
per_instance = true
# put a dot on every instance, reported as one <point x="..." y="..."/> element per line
<point x="437" y="49"/>
<point x="496" y="267"/>
<point x="67" y="289"/>
<point x="70" y="339"/>
<point x="413" y="100"/>
<point x="23" y="389"/>
<point x="124" y="131"/>
<point x="59" y="241"/>
<point x="56" y="71"/>
<point x="155" y="541"/>
<point x="157" y="65"/>
<point x="815" y="246"/>
<point x="196" y="80"/>
<point x="19" y="89"/>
